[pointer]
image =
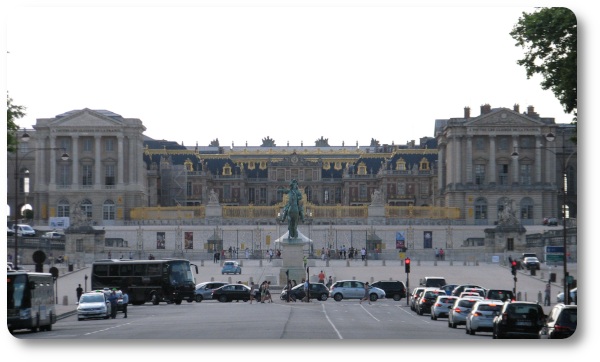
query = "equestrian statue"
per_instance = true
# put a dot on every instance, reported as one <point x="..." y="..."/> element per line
<point x="293" y="210"/>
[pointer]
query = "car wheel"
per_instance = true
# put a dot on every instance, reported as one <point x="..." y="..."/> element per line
<point x="222" y="298"/>
<point x="155" y="299"/>
<point x="338" y="297"/>
<point x="373" y="297"/>
<point x="420" y="311"/>
<point x="396" y="297"/>
<point x="199" y="298"/>
<point x="323" y="297"/>
<point x="433" y="316"/>
<point x="472" y="332"/>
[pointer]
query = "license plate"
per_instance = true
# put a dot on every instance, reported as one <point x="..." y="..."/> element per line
<point x="523" y="323"/>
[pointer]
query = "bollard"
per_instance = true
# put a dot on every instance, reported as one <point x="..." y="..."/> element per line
<point x="465" y="263"/>
<point x="250" y="280"/>
<point x="372" y="280"/>
<point x="65" y="300"/>
<point x="539" y="299"/>
<point x="347" y="262"/>
<point x="451" y="262"/>
<point x="525" y="296"/>
<point x="353" y="278"/>
<point x="542" y="275"/>
<point x="476" y="262"/>
<point x="519" y="296"/>
<point x="241" y="263"/>
<point x="201" y="262"/>
<point x="260" y="263"/>
<point x="383" y="262"/>
<point x="212" y="279"/>
<point x="419" y="262"/>
<point x="229" y="280"/>
<point x="327" y="263"/>
<point x="366" y="262"/>
<point x="435" y="263"/>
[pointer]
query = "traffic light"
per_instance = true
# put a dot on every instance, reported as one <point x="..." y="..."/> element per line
<point x="513" y="267"/>
<point x="407" y="265"/>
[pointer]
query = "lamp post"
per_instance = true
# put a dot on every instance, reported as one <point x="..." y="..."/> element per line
<point x="550" y="137"/>
<point x="24" y="138"/>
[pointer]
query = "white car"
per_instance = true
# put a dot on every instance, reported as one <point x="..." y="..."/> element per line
<point x="24" y="230"/>
<point x="55" y="235"/>
<point x="442" y="305"/>
<point x="93" y="305"/>
<point x="353" y="289"/>
<point x="481" y="317"/>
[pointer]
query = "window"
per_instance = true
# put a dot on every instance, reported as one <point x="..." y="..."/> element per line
<point x="362" y="169"/>
<point x="108" y="210"/>
<point x="88" y="144"/>
<point x="503" y="174"/>
<point x="401" y="188"/>
<point x="479" y="144"/>
<point x="481" y="209"/>
<point x="362" y="190"/>
<point x="503" y="144"/>
<point x="424" y="164"/>
<point x="79" y="245"/>
<point x="401" y="165"/>
<point x="251" y="196"/>
<point x="308" y="191"/>
<point x="87" y="177"/>
<point x="479" y="174"/>
<point x="527" y="209"/>
<point x="227" y="170"/>
<point x="109" y="175"/>
<point x="109" y="143"/>
<point x="326" y="196"/>
<point x="63" y="209"/>
<point x="86" y="207"/>
<point x="64" y="175"/>
<point x="227" y="192"/>
<point x="65" y="144"/>
<point x="525" y="174"/>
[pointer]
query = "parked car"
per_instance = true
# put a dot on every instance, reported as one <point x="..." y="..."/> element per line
<point x="500" y="294"/>
<point x="393" y="288"/>
<point x="23" y="230"/>
<point x="560" y="297"/>
<point x="481" y="317"/>
<point x="426" y="300"/>
<point x="560" y="323"/>
<point x="519" y="320"/>
<point x="316" y="291"/>
<point x="230" y="292"/>
<point x="441" y="306"/>
<point x="54" y="235"/>
<point x="551" y="221"/>
<point x="204" y="290"/>
<point x="231" y="267"/>
<point x="353" y="289"/>
<point x="10" y="232"/>
<point x="531" y="263"/>
<point x="93" y="305"/>
<point x="460" y="310"/>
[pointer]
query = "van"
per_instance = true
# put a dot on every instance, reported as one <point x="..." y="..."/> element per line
<point x="432" y="282"/>
<point x="24" y="230"/>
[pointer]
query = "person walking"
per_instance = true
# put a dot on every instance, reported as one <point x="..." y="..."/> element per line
<point x="306" y="291"/>
<point x="366" y="296"/>
<point x="329" y="282"/>
<point x="363" y="254"/>
<point x="113" y="299"/>
<point x="268" y="292"/>
<point x="79" y="292"/>
<point x="547" y="294"/>
<point x="322" y="277"/>
<point x="263" y="291"/>
<point x="252" y="289"/>
<point x="125" y="302"/>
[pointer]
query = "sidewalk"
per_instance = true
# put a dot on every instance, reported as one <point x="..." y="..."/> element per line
<point x="486" y="274"/>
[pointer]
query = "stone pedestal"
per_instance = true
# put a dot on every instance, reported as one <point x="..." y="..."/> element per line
<point x="376" y="215"/>
<point x="292" y="254"/>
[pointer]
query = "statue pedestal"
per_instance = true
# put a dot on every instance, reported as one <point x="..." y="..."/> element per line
<point x="292" y="254"/>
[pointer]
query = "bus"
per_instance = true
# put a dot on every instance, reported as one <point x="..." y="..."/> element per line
<point x="30" y="301"/>
<point x="155" y="281"/>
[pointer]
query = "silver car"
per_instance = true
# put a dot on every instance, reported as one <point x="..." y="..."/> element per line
<point x="204" y="290"/>
<point x="93" y="305"/>
<point x="460" y="310"/>
<point x="442" y="305"/>
<point x="353" y="289"/>
<point x="482" y="316"/>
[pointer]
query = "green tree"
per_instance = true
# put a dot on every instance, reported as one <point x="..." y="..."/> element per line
<point x="549" y="37"/>
<point x="268" y="142"/>
<point x="322" y="142"/>
<point x="13" y="112"/>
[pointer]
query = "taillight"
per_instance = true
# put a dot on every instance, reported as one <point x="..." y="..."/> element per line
<point x="477" y="314"/>
<point x="457" y="310"/>
<point x="562" y="328"/>
<point x="423" y="300"/>
<point x="438" y="304"/>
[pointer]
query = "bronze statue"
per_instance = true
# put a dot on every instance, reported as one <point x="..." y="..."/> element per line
<point x="293" y="209"/>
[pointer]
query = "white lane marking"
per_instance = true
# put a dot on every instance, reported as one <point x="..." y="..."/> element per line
<point x="330" y="322"/>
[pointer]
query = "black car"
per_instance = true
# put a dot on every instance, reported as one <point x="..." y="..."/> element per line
<point x="561" y="322"/>
<point x="230" y="292"/>
<point x="519" y="320"/>
<point x="393" y="288"/>
<point x="316" y="291"/>
<point x="504" y="295"/>
<point x="427" y="299"/>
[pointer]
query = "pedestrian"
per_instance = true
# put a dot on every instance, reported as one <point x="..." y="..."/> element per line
<point x="247" y="253"/>
<point x="79" y="291"/>
<point x="363" y="254"/>
<point x="366" y="296"/>
<point x="113" y="299"/>
<point x="263" y="291"/>
<point x="268" y="292"/>
<point x="322" y="277"/>
<point x="125" y="302"/>
<point x="306" y="291"/>
<point x="270" y="255"/>
<point x="252" y="289"/>
<point x="441" y="254"/>
<point x="547" y="294"/>
<point x="329" y="282"/>
<point x="215" y="256"/>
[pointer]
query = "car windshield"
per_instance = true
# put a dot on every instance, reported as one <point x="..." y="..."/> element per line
<point x="92" y="298"/>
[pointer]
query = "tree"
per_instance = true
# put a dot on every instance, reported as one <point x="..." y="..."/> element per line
<point x="549" y="36"/>
<point x="214" y="143"/>
<point x="322" y="142"/>
<point x="13" y="112"/>
<point x="268" y="142"/>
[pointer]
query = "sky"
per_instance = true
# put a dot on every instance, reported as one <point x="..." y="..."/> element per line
<point x="239" y="74"/>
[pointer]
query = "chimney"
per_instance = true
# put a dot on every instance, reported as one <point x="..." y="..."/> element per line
<point x="530" y="110"/>
<point x="485" y="108"/>
<point x="516" y="108"/>
<point x="467" y="112"/>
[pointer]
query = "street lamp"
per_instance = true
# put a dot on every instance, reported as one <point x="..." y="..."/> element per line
<point x="24" y="138"/>
<point x="550" y="137"/>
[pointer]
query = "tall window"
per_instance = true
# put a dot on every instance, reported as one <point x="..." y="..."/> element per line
<point x="362" y="191"/>
<point x="251" y="196"/>
<point x="108" y="210"/>
<point x="64" y="175"/>
<point x="88" y="144"/>
<point x="109" y="175"/>
<point x="503" y="174"/>
<point x="481" y="209"/>
<point x="86" y="208"/>
<point x="227" y="192"/>
<point x="525" y="174"/>
<point x="527" y="209"/>
<point x="62" y="209"/>
<point x="479" y="174"/>
<point x="87" y="177"/>
<point x="109" y="144"/>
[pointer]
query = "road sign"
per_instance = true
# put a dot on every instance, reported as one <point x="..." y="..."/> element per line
<point x="554" y="249"/>
<point x="554" y="258"/>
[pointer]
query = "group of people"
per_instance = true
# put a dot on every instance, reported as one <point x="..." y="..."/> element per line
<point x="265" y="293"/>
<point x="439" y="254"/>
<point x="343" y="253"/>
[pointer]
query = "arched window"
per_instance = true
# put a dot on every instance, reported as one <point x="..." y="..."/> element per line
<point x="108" y="210"/>
<point x="63" y="209"/>
<point x="481" y="212"/>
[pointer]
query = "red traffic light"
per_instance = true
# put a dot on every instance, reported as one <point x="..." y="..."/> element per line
<point x="407" y="261"/>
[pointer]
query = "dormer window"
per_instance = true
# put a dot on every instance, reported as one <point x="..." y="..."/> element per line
<point x="227" y="170"/>
<point x="424" y="164"/>
<point x="401" y="165"/>
<point x="362" y="169"/>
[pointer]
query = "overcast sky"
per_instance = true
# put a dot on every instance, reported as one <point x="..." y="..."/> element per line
<point x="293" y="73"/>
